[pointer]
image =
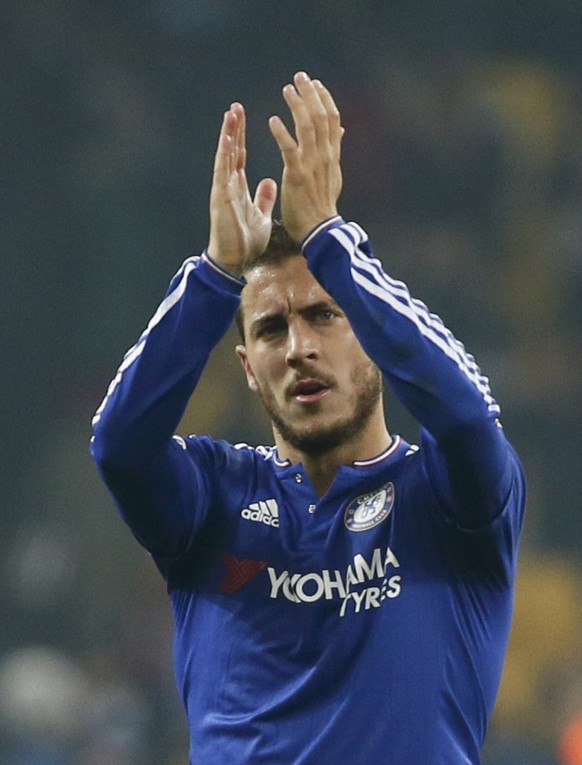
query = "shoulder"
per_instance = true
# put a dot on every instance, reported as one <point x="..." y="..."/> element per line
<point x="223" y="454"/>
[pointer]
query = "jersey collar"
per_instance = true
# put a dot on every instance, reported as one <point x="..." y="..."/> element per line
<point x="395" y="446"/>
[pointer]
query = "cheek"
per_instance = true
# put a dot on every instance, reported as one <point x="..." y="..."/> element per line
<point x="262" y="373"/>
<point x="365" y="374"/>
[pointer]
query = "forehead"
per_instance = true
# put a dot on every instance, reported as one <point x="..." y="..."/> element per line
<point x="280" y="288"/>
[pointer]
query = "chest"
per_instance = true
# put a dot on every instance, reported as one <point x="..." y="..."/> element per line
<point x="349" y="549"/>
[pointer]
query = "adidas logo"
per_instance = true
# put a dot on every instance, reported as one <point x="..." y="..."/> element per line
<point x="266" y="512"/>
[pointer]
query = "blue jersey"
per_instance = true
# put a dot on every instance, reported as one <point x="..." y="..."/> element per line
<point x="365" y="626"/>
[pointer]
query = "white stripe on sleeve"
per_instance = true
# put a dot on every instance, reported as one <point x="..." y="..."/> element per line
<point x="368" y="273"/>
<point x="135" y="351"/>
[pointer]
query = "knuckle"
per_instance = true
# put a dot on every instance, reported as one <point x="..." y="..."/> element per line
<point x="291" y="150"/>
<point x="297" y="175"/>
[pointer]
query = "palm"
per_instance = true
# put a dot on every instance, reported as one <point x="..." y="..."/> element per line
<point x="249" y="227"/>
<point x="239" y="225"/>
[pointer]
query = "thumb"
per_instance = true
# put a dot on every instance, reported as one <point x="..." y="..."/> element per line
<point x="265" y="196"/>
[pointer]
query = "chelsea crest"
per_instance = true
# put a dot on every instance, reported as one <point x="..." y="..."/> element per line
<point x="368" y="510"/>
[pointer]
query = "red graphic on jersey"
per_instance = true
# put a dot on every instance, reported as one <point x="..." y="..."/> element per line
<point x="238" y="572"/>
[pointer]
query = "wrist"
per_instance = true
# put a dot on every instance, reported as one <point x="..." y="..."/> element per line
<point x="232" y="267"/>
<point x="230" y="270"/>
<point x="300" y="226"/>
<point x="318" y="228"/>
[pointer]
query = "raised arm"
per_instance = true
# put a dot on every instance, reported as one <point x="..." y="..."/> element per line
<point x="466" y="453"/>
<point x="159" y="486"/>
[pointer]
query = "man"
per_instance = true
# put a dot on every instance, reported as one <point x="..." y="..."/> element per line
<point x="341" y="597"/>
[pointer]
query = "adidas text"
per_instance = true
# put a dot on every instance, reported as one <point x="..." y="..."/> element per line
<point x="266" y="512"/>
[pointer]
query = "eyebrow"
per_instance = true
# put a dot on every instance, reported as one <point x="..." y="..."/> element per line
<point x="264" y="321"/>
<point x="310" y="309"/>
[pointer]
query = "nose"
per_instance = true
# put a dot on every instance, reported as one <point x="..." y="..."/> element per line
<point x="302" y="343"/>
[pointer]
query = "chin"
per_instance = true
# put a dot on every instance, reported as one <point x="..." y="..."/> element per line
<point x="320" y="432"/>
<point x="314" y="441"/>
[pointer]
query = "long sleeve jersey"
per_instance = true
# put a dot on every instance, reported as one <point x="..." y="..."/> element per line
<point x="368" y="625"/>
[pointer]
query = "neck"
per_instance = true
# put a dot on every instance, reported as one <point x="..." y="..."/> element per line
<point x="321" y="467"/>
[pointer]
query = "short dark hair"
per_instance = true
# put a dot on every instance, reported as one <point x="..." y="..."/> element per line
<point x="279" y="247"/>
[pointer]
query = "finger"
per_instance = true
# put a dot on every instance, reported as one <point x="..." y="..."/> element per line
<point x="302" y="120"/>
<point x="313" y="106"/>
<point x="266" y="195"/>
<point x="224" y="152"/>
<point x="333" y="115"/>
<point x="240" y="136"/>
<point x="286" y="143"/>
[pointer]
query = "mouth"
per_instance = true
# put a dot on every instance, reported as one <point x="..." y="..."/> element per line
<point x="309" y="391"/>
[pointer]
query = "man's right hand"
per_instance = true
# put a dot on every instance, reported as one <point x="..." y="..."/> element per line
<point x="239" y="225"/>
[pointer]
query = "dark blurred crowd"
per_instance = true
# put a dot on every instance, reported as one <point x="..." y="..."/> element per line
<point x="463" y="161"/>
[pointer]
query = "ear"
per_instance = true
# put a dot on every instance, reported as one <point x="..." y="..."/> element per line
<point x="241" y="352"/>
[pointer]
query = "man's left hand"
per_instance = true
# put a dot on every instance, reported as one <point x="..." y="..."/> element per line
<point x="312" y="178"/>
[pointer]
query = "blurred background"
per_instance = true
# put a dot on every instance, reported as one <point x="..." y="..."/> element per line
<point x="463" y="160"/>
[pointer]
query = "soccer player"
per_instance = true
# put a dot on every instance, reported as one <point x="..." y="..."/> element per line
<point x="341" y="596"/>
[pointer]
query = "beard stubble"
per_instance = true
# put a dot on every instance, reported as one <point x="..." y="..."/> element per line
<point x="366" y="382"/>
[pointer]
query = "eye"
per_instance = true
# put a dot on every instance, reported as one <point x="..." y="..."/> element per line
<point x="268" y="329"/>
<point x="325" y="315"/>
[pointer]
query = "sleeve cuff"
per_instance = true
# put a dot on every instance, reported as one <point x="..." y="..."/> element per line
<point x="240" y="280"/>
<point x="332" y="222"/>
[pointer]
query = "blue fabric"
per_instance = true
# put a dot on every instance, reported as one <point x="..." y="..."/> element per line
<point x="366" y="626"/>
